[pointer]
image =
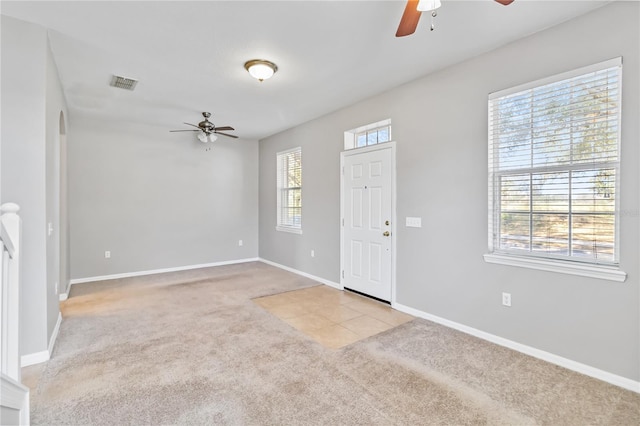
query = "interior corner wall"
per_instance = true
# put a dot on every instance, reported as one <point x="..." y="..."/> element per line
<point x="440" y="126"/>
<point x="24" y="56"/>
<point x="157" y="200"/>
<point x="54" y="105"/>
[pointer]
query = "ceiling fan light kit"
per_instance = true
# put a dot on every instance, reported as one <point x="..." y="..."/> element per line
<point x="413" y="10"/>
<point x="427" y="5"/>
<point x="261" y="69"/>
<point x="207" y="137"/>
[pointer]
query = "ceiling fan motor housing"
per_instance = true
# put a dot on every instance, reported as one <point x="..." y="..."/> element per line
<point x="206" y="126"/>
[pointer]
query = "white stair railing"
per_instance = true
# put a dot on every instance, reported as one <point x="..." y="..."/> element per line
<point x="14" y="397"/>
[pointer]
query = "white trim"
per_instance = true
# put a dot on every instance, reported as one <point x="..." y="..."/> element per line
<point x="289" y="229"/>
<point x="603" y="272"/>
<point x="304" y="274"/>
<point x="15" y="395"/>
<point x="54" y="335"/>
<point x="611" y="63"/>
<point x="34" y="358"/>
<point x="588" y="370"/>
<point x="350" y="135"/>
<point x="63" y="296"/>
<point x="386" y="145"/>
<point x="160" y="271"/>
<point x="287" y="151"/>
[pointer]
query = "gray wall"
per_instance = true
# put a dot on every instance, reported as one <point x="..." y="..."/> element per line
<point x="157" y="199"/>
<point x="321" y="142"/>
<point x="30" y="92"/>
<point x="9" y="416"/>
<point x="440" y="125"/>
<point x="55" y="104"/>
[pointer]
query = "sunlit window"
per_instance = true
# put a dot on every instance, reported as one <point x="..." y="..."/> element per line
<point x="370" y="134"/>
<point x="554" y="166"/>
<point x="289" y="190"/>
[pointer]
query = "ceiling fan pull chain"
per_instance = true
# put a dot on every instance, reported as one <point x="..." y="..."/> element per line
<point x="433" y="15"/>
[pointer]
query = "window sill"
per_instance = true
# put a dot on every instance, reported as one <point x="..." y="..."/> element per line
<point x="288" y="229"/>
<point x="603" y="272"/>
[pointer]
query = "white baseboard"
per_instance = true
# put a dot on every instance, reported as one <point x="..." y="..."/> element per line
<point x="304" y="274"/>
<point x="34" y="358"/>
<point x="54" y="335"/>
<point x="159" y="271"/>
<point x="64" y="296"/>
<point x="43" y="356"/>
<point x="588" y="370"/>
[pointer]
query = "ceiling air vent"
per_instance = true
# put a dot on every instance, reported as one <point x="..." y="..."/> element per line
<point x="123" y="82"/>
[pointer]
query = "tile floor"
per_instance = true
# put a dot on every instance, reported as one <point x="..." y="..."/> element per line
<point x="332" y="317"/>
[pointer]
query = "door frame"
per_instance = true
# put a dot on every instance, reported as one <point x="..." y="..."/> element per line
<point x="356" y="151"/>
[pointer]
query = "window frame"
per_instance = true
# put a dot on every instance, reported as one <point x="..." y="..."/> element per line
<point x="281" y="188"/>
<point x="563" y="264"/>
<point x="351" y="136"/>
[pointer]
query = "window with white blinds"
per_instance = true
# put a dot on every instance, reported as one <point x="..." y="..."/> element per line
<point x="289" y="189"/>
<point x="554" y="166"/>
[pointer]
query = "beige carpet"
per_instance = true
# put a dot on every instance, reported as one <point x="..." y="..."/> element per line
<point x="192" y="348"/>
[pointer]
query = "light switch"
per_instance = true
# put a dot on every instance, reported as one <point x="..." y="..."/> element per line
<point x="414" y="222"/>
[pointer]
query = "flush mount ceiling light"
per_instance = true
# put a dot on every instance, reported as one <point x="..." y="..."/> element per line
<point x="260" y="68"/>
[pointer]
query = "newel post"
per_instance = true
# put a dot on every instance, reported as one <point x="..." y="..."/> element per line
<point x="10" y="231"/>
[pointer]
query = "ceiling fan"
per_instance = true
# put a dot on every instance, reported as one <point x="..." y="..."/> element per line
<point x="207" y="130"/>
<point x="413" y="10"/>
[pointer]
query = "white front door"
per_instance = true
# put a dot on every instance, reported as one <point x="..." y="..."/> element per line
<point x="367" y="197"/>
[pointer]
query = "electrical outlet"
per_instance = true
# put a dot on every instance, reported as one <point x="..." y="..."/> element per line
<point x="506" y="299"/>
<point x="313" y="253"/>
<point x="240" y="243"/>
<point x="107" y="254"/>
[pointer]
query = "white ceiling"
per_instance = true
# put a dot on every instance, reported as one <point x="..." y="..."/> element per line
<point x="189" y="56"/>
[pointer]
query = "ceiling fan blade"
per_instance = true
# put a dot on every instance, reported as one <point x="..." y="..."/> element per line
<point x="184" y="130"/>
<point x="225" y="134"/>
<point x="410" y="18"/>
<point x="225" y="128"/>
<point x="189" y="124"/>
<point x="505" y="2"/>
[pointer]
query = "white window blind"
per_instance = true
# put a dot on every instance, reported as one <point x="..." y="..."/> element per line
<point x="554" y="166"/>
<point x="289" y="189"/>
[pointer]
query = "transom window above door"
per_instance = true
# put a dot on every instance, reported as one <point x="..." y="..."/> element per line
<point x="370" y="134"/>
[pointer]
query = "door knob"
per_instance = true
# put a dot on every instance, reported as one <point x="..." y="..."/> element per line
<point x="386" y="233"/>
